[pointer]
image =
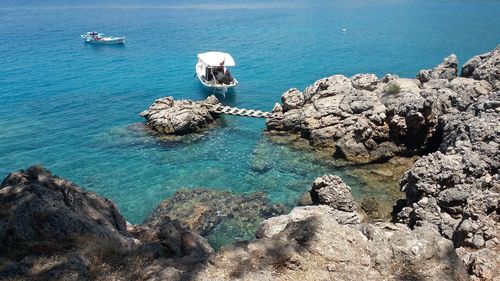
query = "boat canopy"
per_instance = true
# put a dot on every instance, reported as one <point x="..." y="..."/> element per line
<point x="216" y="59"/>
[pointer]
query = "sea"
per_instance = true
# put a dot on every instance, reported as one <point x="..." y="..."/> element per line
<point x="74" y="107"/>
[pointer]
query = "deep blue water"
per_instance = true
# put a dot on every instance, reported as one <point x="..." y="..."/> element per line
<point x="74" y="107"/>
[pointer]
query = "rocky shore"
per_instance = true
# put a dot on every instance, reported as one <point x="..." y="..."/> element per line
<point x="50" y="229"/>
<point x="455" y="188"/>
<point x="446" y="228"/>
<point x="369" y="119"/>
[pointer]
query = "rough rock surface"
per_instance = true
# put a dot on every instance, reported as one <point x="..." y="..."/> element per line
<point x="179" y="117"/>
<point x="484" y="67"/>
<point x="310" y="244"/>
<point x="50" y="229"/>
<point x="456" y="190"/>
<point x="332" y="191"/>
<point x="446" y="70"/>
<point x="365" y="119"/>
<point x="37" y="206"/>
<point x="315" y="243"/>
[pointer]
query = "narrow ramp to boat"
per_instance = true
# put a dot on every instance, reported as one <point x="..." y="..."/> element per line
<point x="228" y="110"/>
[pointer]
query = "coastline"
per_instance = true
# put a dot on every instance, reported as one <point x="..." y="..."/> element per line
<point x="445" y="229"/>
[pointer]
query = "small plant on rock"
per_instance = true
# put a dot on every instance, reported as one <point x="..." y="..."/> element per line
<point x="393" y="89"/>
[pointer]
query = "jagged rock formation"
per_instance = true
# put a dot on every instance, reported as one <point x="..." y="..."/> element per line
<point x="179" y="117"/>
<point x="313" y="243"/>
<point x="365" y="119"/>
<point x="50" y="229"/>
<point x="484" y="67"/>
<point x="446" y="70"/>
<point x="36" y="205"/>
<point x="456" y="190"/>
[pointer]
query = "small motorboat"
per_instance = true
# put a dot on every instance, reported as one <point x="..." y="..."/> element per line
<point x="212" y="71"/>
<point x="99" y="38"/>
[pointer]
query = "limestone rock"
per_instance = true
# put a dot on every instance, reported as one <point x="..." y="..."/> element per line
<point x="484" y="67"/>
<point x="446" y="70"/>
<point x="456" y="190"/>
<point x="292" y="99"/>
<point x="309" y="244"/>
<point x="365" y="81"/>
<point x="332" y="191"/>
<point x="179" y="117"/>
<point x="366" y="120"/>
<point x="50" y="229"/>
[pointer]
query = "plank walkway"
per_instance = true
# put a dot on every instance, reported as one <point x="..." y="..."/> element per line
<point x="228" y="110"/>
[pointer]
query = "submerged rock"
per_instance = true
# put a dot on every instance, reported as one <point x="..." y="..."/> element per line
<point x="180" y="117"/>
<point x="220" y="216"/>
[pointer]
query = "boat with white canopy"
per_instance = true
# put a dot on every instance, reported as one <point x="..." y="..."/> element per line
<point x="213" y="73"/>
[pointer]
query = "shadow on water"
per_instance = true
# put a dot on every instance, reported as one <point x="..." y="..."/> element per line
<point x="104" y="47"/>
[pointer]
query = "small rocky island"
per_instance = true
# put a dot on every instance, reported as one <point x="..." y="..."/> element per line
<point x="446" y="228"/>
<point x="180" y="117"/>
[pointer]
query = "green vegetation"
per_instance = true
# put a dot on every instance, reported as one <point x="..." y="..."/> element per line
<point x="393" y="89"/>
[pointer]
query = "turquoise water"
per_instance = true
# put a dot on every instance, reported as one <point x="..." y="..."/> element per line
<point x="74" y="107"/>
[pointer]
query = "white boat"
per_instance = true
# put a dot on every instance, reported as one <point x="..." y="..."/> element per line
<point x="212" y="71"/>
<point x="99" y="38"/>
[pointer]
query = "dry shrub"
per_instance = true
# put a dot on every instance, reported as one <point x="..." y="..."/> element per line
<point x="393" y="89"/>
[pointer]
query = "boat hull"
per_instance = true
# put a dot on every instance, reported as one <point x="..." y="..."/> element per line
<point x="104" y="41"/>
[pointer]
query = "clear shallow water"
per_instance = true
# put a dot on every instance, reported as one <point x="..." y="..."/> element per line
<point x="74" y="107"/>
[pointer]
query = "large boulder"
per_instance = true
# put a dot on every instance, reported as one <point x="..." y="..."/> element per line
<point x="330" y="190"/>
<point x="365" y="81"/>
<point x="292" y="99"/>
<point x="179" y="117"/>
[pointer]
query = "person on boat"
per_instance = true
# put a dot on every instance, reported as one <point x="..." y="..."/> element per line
<point x="219" y="73"/>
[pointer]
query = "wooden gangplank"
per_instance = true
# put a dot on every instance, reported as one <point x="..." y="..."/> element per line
<point x="228" y="110"/>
